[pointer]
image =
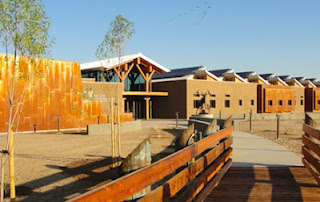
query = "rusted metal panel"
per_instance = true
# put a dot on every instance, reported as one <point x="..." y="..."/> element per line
<point x="130" y="184"/>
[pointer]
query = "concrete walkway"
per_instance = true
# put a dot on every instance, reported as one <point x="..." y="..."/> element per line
<point x="251" y="150"/>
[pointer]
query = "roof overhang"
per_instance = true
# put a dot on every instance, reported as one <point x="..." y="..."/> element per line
<point x="114" y="62"/>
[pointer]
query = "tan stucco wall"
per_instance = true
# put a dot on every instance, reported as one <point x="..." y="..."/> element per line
<point x="299" y="96"/>
<point x="104" y="91"/>
<point x="237" y="91"/>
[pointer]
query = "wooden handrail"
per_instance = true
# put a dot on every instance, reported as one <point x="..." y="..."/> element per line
<point x="124" y="187"/>
<point x="311" y="150"/>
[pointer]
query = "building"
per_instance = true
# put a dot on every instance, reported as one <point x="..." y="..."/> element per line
<point x="133" y="73"/>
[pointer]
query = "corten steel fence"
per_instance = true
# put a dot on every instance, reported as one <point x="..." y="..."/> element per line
<point x="311" y="150"/>
<point x="194" y="181"/>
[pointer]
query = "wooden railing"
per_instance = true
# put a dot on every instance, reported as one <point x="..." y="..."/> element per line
<point x="311" y="150"/>
<point x="201" y="166"/>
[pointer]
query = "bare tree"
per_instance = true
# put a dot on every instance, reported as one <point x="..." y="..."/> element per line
<point x="24" y="34"/>
<point x="114" y="45"/>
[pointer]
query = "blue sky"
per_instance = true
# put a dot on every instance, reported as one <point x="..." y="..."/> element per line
<point x="282" y="37"/>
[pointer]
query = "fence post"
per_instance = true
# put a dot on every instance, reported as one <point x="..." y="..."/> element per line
<point x="98" y="119"/>
<point x="250" y="117"/>
<point x="34" y="128"/>
<point x="58" y="124"/>
<point x="220" y="114"/>
<point x="278" y="126"/>
<point x="177" y="119"/>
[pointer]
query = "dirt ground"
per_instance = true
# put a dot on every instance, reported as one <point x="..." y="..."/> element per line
<point x="290" y="132"/>
<point x="53" y="167"/>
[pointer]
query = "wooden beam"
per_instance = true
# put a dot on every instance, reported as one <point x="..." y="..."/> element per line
<point x="311" y="131"/>
<point x="311" y="145"/>
<point x="177" y="182"/>
<point x="143" y="93"/>
<point x="150" y="68"/>
<point x="126" y="67"/>
<point x="311" y="170"/>
<point x="150" y="76"/>
<point x="141" y="72"/>
<point x="138" y="61"/>
<point x="311" y="159"/>
<point x="147" y="107"/>
<point x="117" y="72"/>
<point x="128" y="71"/>
<point x="124" y="187"/>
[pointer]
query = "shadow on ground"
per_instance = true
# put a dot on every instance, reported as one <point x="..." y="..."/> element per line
<point x="261" y="183"/>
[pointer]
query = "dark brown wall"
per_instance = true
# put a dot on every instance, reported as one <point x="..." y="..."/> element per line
<point x="312" y="96"/>
<point x="166" y="107"/>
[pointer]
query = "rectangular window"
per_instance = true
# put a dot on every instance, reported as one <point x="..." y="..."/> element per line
<point x="196" y="104"/>
<point x="227" y="103"/>
<point x="290" y="102"/>
<point x="212" y="95"/>
<point x="280" y="102"/>
<point x="240" y="102"/>
<point x="227" y="95"/>
<point x="252" y="102"/>
<point x="270" y="102"/>
<point x="212" y="103"/>
<point x="318" y="102"/>
<point x="301" y="102"/>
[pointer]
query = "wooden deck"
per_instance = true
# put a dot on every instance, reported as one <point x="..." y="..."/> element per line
<point x="266" y="184"/>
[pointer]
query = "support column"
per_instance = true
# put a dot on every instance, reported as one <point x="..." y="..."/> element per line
<point x="147" y="107"/>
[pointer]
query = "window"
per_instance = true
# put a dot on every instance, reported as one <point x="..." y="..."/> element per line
<point x="212" y="103"/>
<point x="290" y="102"/>
<point x="240" y="102"/>
<point x="227" y="95"/>
<point x="196" y="104"/>
<point x="252" y="102"/>
<point x="270" y="102"/>
<point x="318" y="102"/>
<point x="280" y="102"/>
<point x="227" y="103"/>
<point x="301" y="102"/>
<point x="212" y="95"/>
<point x="196" y="95"/>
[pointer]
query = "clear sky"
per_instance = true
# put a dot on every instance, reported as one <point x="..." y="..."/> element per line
<point x="268" y="36"/>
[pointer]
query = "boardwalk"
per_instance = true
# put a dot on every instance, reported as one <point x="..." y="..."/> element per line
<point x="264" y="171"/>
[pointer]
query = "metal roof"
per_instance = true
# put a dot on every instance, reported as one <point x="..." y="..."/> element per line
<point x="220" y="72"/>
<point x="178" y="72"/>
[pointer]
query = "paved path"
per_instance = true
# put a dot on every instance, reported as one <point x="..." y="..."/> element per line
<point x="251" y="150"/>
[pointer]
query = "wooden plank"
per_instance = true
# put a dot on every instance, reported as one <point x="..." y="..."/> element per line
<point x="197" y="185"/>
<point x="141" y="72"/>
<point x="126" y="186"/>
<point x="311" y="131"/>
<point x="142" y="93"/>
<point x="311" y="145"/>
<point x="311" y="170"/>
<point x="311" y="158"/>
<point x="213" y="183"/>
<point x="128" y="71"/>
<point x="176" y="183"/>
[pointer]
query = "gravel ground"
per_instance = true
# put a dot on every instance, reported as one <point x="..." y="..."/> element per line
<point x="53" y="167"/>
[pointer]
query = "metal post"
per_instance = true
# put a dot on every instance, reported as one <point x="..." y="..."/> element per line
<point x="177" y="119"/>
<point x="250" y="117"/>
<point x="58" y="124"/>
<point x="278" y="126"/>
<point x="34" y="128"/>
<point x="220" y="114"/>
<point x="98" y="119"/>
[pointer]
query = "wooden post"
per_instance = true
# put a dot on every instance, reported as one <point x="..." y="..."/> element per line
<point x="112" y="129"/>
<point x="11" y="167"/>
<point x="150" y="109"/>
<point x="134" y="109"/>
<point x="2" y="178"/>
<point x="118" y="121"/>
<point x="278" y="126"/>
<point x="147" y="107"/>
<point x="250" y="116"/>
<point x="58" y="124"/>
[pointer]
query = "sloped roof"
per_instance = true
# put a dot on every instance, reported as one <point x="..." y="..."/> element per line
<point x="112" y="62"/>
<point x="266" y="76"/>
<point x="246" y="75"/>
<point x="174" y="73"/>
<point x="284" y="77"/>
<point x="220" y="72"/>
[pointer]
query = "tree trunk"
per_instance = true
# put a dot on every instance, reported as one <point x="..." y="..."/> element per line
<point x="11" y="167"/>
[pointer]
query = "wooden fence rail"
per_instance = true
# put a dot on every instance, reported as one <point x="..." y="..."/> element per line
<point x="311" y="150"/>
<point x="193" y="181"/>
